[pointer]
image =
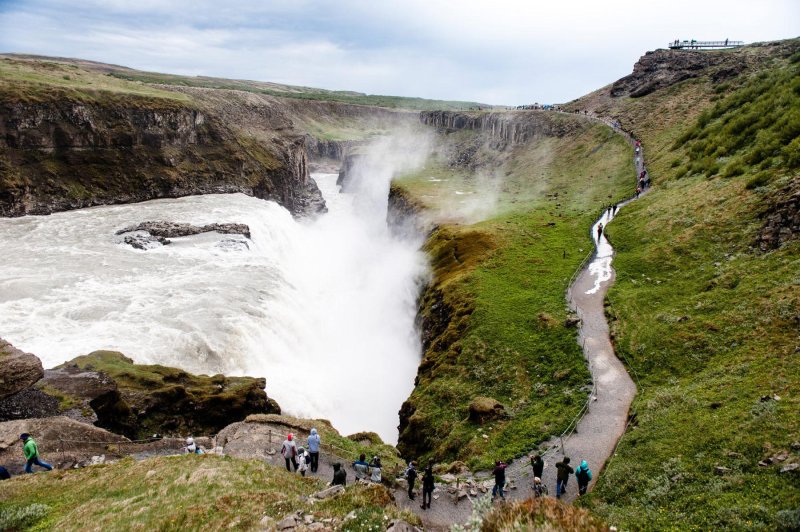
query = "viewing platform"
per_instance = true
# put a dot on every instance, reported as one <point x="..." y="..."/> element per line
<point x="697" y="45"/>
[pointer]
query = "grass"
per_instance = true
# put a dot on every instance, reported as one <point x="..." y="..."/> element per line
<point x="705" y="321"/>
<point x="204" y="492"/>
<point x="503" y="279"/>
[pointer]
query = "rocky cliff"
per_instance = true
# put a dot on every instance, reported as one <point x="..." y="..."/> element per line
<point x="65" y="154"/>
<point x="504" y="128"/>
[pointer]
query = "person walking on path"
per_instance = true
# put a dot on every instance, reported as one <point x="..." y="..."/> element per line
<point x="289" y="451"/>
<point x="427" y="486"/>
<point x="599" y="231"/>
<point x="313" y="449"/>
<point x="303" y="458"/>
<point x="499" y="479"/>
<point x="538" y="465"/>
<point x="411" y="477"/>
<point x="362" y="467"/>
<point x="339" y="475"/>
<point x="584" y="475"/>
<point x="31" y="452"/>
<point x="562" y="476"/>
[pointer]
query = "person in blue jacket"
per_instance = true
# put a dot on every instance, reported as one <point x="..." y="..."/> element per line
<point x="313" y="449"/>
<point x="584" y="475"/>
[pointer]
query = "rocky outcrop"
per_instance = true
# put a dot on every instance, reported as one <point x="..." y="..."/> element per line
<point x="483" y="409"/>
<point x="781" y="221"/>
<point x="175" y="230"/>
<point x="63" y="154"/>
<point x="505" y="128"/>
<point x="330" y="149"/>
<point x="346" y="171"/>
<point x="138" y="400"/>
<point x="662" y="68"/>
<point x="18" y="370"/>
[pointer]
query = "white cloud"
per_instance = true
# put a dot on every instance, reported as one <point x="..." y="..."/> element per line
<point x="502" y="51"/>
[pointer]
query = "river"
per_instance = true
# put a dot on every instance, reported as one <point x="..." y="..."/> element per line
<point x="324" y="308"/>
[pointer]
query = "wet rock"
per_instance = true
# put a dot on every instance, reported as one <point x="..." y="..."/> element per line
<point x="329" y="492"/>
<point x="28" y="403"/>
<point x="484" y="409"/>
<point x="174" y="230"/>
<point x="145" y="242"/>
<point x="18" y="370"/>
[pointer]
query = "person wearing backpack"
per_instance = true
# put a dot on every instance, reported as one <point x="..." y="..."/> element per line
<point x="411" y="477"/>
<point x="564" y="470"/>
<point x="289" y="451"/>
<point x="303" y="459"/>
<point x="584" y="475"/>
<point x="427" y="486"/>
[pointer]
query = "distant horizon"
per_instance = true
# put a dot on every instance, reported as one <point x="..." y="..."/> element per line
<point x="509" y="54"/>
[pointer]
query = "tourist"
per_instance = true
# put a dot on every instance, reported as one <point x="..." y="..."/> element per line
<point x="289" y="451"/>
<point x="313" y="449"/>
<point x="584" y="475"/>
<point x="31" y="452"/>
<point x="362" y="467"/>
<point x="427" y="486"/>
<point x="564" y="470"/>
<point x="499" y="479"/>
<point x="539" y="489"/>
<point x="303" y="458"/>
<point x="638" y="191"/>
<point x="4" y="474"/>
<point x="192" y="447"/>
<point x="599" y="231"/>
<point x="411" y="477"/>
<point x="538" y="465"/>
<point x="339" y="475"/>
<point x="375" y="469"/>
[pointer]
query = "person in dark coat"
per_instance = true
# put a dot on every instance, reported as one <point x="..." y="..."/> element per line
<point x="564" y="470"/>
<point x="538" y="465"/>
<point x="584" y="475"/>
<point x="427" y="486"/>
<point x="411" y="477"/>
<point x="499" y="479"/>
<point x="339" y="475"/>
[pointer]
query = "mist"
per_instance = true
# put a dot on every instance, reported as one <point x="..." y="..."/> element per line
<point x="324" y="309"/>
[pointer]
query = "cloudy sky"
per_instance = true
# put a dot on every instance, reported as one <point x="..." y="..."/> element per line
<point x="493" y="51"/>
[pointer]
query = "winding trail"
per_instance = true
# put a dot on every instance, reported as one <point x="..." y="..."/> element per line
<point x="593" y="435"/>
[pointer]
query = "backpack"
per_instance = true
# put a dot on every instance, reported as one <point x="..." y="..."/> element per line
<point x="583" y="476"/>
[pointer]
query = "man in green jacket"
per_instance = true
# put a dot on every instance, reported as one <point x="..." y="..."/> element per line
<point x="32" y="454"/>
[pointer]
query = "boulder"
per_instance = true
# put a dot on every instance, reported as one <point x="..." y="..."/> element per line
<point x="161" y="229"/>
<point x="18" y="370"/>
<point x="62" y="441"/>
<point x="398" y="525"/>
<point x="329" y="492"/>
<point x="483" y="409"/>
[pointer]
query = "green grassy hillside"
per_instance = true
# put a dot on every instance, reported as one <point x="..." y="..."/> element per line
<point x="706" y="320"/>
<point x="191" y="492"/>
<point x="512" y="230"/>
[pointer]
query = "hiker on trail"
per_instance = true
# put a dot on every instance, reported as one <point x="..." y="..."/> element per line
<point x="499" y="479"/>
<point x="613" y="212"/>
<point x="303" y="458"/>
<point x="638" y="143"/>
<point x="584" y="475"/>
<point x="192" y="447"/>
<point x="638" y="191"/>
<point x="313" y="449"/>
<point x="637" y="149"/>
<point x="4" y="474"/>
<point x="362" y="467"/>
<point x="538" y="465"/>
<point x="411" y="477"/>
<point x="289" y="451"/>
<point x="339" y="475"/>
<point x="539" y="489"/>
<point x="562" y="477"/>
<point x="31" y="451"/>
<point x="375" y="469"/>
<point x="599" y="231"/>
<point x="427" y="486"/>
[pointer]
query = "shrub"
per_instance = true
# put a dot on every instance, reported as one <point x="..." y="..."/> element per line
<point x="759" y="180"/>
<point x="22" y="517"/>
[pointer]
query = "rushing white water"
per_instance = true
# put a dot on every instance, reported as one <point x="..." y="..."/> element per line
<point x="323" y="309"/>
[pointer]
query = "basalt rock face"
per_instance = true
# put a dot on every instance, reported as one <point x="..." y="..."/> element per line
<point x="330" y="149"/>
<point x="662" y="68"/>
<point x="18" y="370"/>
<point x="504" y="128"/>
<point x="63" y="154"/>
<point x="174" y="230"/>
